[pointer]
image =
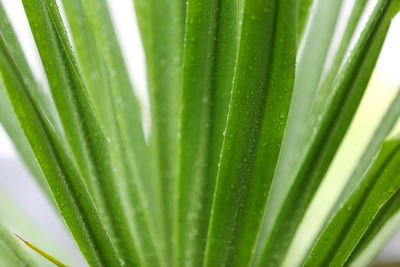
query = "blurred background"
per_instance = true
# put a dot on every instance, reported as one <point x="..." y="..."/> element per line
<point x="35" y="219"/>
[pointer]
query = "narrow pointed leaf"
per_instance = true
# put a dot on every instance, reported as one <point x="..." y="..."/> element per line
<point x="45" y="101"/>
<point x="304" y="14"/>
<point x="375" y="195"/>
<point x="42" y="253"/>
<point x="10" y="123"/>
<point x="7" y="117"/>
<point x="262" y="87"/>
<point x="391" y="208"/>
<point x="127" y="110"/>
<point x="347" y="92"/>
<point x="310" y="63"/>
<point x="376" y="229"/>
<point x="90" y="60"/>
<point x="7" y="258"/>
<point x="368" y="156"/>
<point x="132" y="165"/>
<point x="333" y="69"/>
<point x="83" y="133"/>
<point x="208" y="65"/>
<point x="389" y="119"/>
<point x="7" y="239"/>
<point x="162" y="25"/>
<point x="64" y="180"/>
<point x="353" y="21"/>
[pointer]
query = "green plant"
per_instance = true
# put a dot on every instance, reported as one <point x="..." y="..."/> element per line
<point x="247" y="115"/>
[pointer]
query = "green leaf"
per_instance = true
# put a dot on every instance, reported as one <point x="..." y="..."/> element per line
<point x="386" y="213"/>
<point x="304" y="14"/>
<point x="19" y="56"/>
<point x="233" y="159"/>
<point x="117" y="106"/>
<point x="42" y="253"/>
<point x="353" y="21"/>
<point x="347" y="92"/>
<point x="10" y="123"/>
<point x="332" y="72"/>
<point x="376" y="196"/>
<point x="7" y="258"/>
<point x="18" y="220"/>
<point x="262" y="89"/>
<point x="310" y="62"/>
<point x="90" y="60"/>
<point x="7" y="116"/>
<point x="127" y="111"/>
<point x="208" y="66"/>
<point x="367" y="156"/>
<point x="84" y="135"/>
<point x="162" y="25"/>
<point x="375" y="240"/>
<point x="389" y="119"/>
<point x="8" y="240"/>
<point x="65" y="182"/>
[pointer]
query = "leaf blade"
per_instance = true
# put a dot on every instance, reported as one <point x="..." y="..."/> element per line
<point x="348" y="90"/>
<point x="305" y="7"/>
<point x="42" y="252"/>
<point x="162" y="25"/>
<point x="120" y="114"/>
<point x="359" y="211"/>
<point x="6" y="239"/>
<point x="7" y="117"/>
<point x="61" y="175"/>
<point x="83" y="133"/>
<point x="310" y="62"/>
<point x="208" y="66"/>
<point x="389" y="119"/>
<point x="256" y="121"/>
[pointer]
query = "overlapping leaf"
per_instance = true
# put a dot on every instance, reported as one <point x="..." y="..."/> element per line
<point x="83" y="133"/>
<point x="220" y="75"/>
<point x="66" y="184"/>
<point x="208" y="64"/>
<point x="374" y="198"/>
<point x="7" y="117"/>
<point x="310" y="61"/>
<point x="339" y="111"/>
<point x="162" y="26"/>
<point x="119" y="113"/>
<point x="262" y="89"/>
<point x="11" y="250"/>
